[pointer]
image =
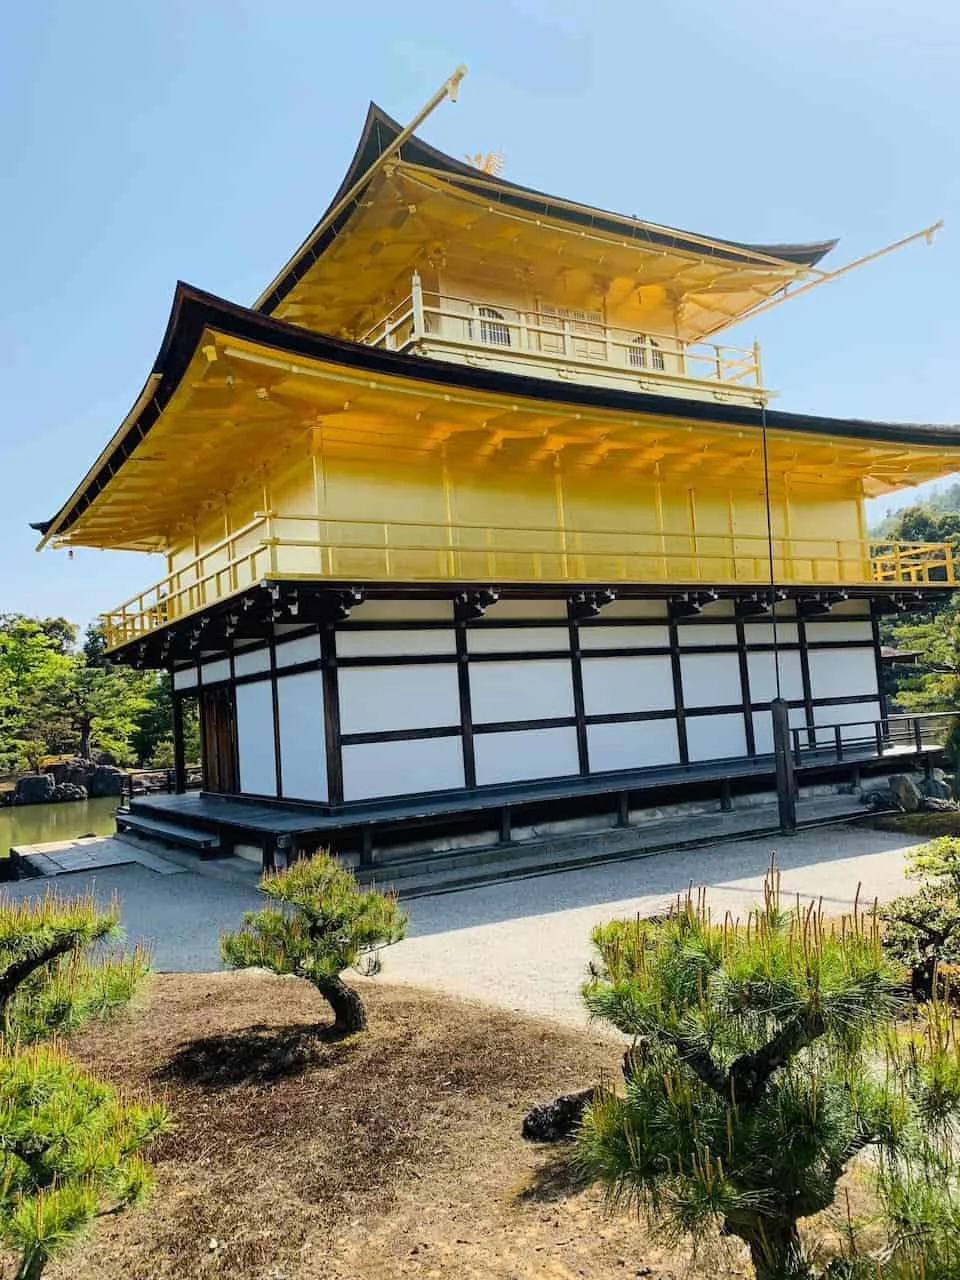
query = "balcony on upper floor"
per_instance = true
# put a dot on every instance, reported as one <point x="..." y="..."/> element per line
<point x="566" y="345"/>
<point x="282" y="547"/>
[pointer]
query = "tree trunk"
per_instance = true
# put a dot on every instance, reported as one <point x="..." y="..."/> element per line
<point x="774" y="1250"/>
<point x="348" y="1011"/>
<point x="31" y="1265"/>
<point x="86" y="728"/>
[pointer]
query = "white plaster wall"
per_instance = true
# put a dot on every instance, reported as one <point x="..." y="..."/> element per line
<point x="762" y="633"/>
<point x="303" y="746"/>
<point x="633" y="744"/>
<point x="842" y="673"/>
<point x="763" y="728"/>
<point x="255" y="748"/>
<point x="379" y="699"/>
<point x="394" y="644"/>
<point x="818" y="632"/>
<point x="306" y="649"/>
<point x="248" y="664"/>
<point x="533" y="690"/>
<point x="635" y="609"/>
<point x="710" y="679"/>
<point x="718" y="633"/>
<point x="185" y="678"/>
<point x="398" y="768"/>
<point x="612" y="685"/>
<point x="852" y="608"/>
<point x="530" y="753"/>
<point x="594" y="637"/>
<point x="715" y="737"/>
<point x="761" y="669"/>
<point x="214" y="671"/>
<point x="517" y="639"/>
<point x="857" y="718"/>
<point x="400" y="611"/>
<point x="524" y="609"/>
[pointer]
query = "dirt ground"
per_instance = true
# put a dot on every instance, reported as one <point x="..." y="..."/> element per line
<point x="394" y="1154"/>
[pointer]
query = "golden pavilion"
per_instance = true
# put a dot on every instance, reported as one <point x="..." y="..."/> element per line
<point x="474" y="513"/>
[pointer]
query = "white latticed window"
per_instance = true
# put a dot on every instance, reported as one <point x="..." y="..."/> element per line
<point x="493" y="327"/>
<point x="644" y="353"/>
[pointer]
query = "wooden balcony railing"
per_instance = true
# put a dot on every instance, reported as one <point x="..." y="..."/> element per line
<point x="310" y="548"/>
<point x="557" y="338"/>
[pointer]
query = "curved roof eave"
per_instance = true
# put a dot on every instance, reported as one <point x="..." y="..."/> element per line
<point x="380" y="130"/>
<point x="194" y="310"/>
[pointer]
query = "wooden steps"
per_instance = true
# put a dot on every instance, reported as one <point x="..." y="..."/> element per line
<point x="207" y="843"/>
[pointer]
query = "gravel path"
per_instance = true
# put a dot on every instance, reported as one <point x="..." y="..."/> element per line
<point x="522" y="944"/>
<point x="525" y="944"/>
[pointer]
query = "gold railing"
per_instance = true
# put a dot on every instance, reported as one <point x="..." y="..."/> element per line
<point x="315" y="548"/>
<point x="434" y="318"/>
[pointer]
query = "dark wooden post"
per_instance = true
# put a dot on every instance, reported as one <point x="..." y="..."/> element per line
<point x="179" y="759"/>
<point x="786" y="785"/>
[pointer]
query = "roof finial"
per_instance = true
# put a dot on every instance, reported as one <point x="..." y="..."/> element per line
<point x="492" y="162"/>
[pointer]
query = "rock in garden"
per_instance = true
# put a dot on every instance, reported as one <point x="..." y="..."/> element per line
<point x="70" y="791"/>
<point x="905" y="792"/>
<point x="558" y="1120"/>
<point x="933" y="804"/>
<point x="106" y="780"/>
<point x="35" y="788"/>
<point x="935" y="787"/>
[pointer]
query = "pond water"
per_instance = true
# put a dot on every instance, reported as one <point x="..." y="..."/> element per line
<point x="42" y="823"/>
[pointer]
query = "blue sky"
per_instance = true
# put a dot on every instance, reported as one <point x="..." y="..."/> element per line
<point x="149" y="140"/>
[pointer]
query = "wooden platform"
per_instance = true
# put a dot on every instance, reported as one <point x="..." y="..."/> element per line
<point x="369" y="834"/>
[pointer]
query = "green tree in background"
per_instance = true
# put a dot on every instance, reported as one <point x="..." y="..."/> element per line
<point x="56" y="699"/>
<point x="931" y="681"/>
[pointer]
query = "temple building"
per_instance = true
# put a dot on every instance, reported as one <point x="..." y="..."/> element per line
<point x="472" y="520"/>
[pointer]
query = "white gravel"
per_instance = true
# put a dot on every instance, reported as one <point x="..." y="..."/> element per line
<point x="525" y="944"/>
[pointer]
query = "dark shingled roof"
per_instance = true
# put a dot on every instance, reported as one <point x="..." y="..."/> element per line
<point x="380" y="130"/>
<point x="193" y="311"/>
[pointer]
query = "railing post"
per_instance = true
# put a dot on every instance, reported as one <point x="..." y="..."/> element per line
<point x="786" y="785"/>
<point x="522" y="341"/>
<point x="948" y="561"/>
<point x="917" y="735"/>
<point x="878" y="730"/>
<point x="416" y="304"/>
<point x="838" y="742"/>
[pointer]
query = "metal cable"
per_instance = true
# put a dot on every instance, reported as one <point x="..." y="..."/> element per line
<point x="769" y="510"/>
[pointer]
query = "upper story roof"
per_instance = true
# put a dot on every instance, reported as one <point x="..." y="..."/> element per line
<point x="424" y="204"/>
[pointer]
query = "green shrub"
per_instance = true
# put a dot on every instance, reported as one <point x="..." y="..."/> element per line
<point x="69" y="1153"/>
<point x="56" y="972"/>
<point x="922" y="929"/>
<point x="764" y="1058"/>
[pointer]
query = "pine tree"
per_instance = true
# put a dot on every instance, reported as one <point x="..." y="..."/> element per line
<point x="69" y="1153"/>
<point x="762" y="1063"/>
<point x="69" y="1146"/>
<point x="324" y="923"/>
<point x="49" y="981"/>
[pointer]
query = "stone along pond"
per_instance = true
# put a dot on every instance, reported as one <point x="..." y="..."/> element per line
<point x="42" y="823"/>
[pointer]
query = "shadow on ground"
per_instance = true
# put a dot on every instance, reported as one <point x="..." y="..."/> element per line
<point x="556" y="1180"/>
<point x="255" y="1055"/>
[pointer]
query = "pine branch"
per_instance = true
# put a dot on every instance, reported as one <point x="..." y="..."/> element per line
<point x="17" y="973"/>
<point x="751" y="1072"/>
